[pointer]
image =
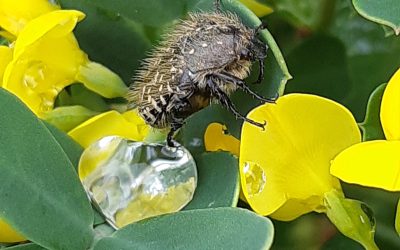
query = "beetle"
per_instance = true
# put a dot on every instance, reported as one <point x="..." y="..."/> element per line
<point x="204" y="58"/>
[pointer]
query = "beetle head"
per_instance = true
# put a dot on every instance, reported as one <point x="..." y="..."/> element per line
<point x="256" y="50"/>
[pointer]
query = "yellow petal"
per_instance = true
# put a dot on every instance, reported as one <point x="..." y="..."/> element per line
<point x="372" y="163"/>
<point x="107" y="124"/>
<point x="14" y="15"/>
<point x="8" y="235"/>
<point x="258" y="8"/>
<point x="55" y="24"/>
<point x="134" y="118"/>
<point x="46" y="59"/>
<point x="294" y="208"/>
<point x="290" y="159"/>
<point x="216" y="138"/>
<point x="390" y="108"/>
<point x="5" y="59"/>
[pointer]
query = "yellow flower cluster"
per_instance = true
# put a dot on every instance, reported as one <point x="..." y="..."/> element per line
<point x="42" y="58"/>
<point x="285" y="169"/>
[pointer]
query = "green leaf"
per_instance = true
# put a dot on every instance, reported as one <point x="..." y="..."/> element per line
<point x="41" y="196"/>
<point x="251" y="20"/>
<point x="192" y="133"/>
<point x="218" y="181"/>
<point x="371" y="126"/>
<point x="151" y="13"/>
<point x="28" y="246"/>
<point x="397" y="220"/>
<point x="102" y="231"/>
<point x="320" y="67"/>
<point x="72" y="149"/>
<point x="77" y="94"/>
<point x="110" y="38"/>
<point x="385" y="12"/>
<point x="216" y="228"/>
<point x="66" y="118"/>
<point x="352" y="218"/>
<point x="384" y="64"/>
<point x="304" y="13"/>
<point x="370" y="56"/>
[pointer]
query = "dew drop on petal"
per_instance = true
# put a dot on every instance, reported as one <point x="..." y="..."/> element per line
<point x="34" y="74"/>
<point x="29" y="81"/>
<point x="129" y="181"/>
<point x="255" y="178"/>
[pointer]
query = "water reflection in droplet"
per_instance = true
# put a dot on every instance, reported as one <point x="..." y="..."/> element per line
<point x="129" y="181"/>
<point x="255" y="178"/>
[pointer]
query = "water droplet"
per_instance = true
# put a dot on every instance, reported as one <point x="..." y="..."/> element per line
<point x="30" y="82"/>
<point x="255" y="178"/>
<point x="130" y="181"/>
<point x="369" y="215"/>
<point x="34" y="74"/>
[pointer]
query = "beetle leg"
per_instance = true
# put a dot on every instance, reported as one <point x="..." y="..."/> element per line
<point x="261" y="74"/>
<point x="177" y="120"/>
<point x="223" y="98"/>
<point x="242" y="85"/>
<point x="175" y="125"/>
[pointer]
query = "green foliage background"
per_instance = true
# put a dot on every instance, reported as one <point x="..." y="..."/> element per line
<point x="330" y="51"/>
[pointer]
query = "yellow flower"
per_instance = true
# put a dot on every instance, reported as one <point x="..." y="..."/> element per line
<point x="127" y="125"/>
<point x="46" y="58"/>
<point x="284" y="169"/>
<point x="5" y="58"/>
<point x="376" y="163"/>
<point x="14" y="15"/>
<point x="216" y="138"/>
<point x="8" y="235"/>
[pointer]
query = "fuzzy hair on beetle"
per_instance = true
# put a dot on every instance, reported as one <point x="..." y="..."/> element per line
<point x="204" y="58"/>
